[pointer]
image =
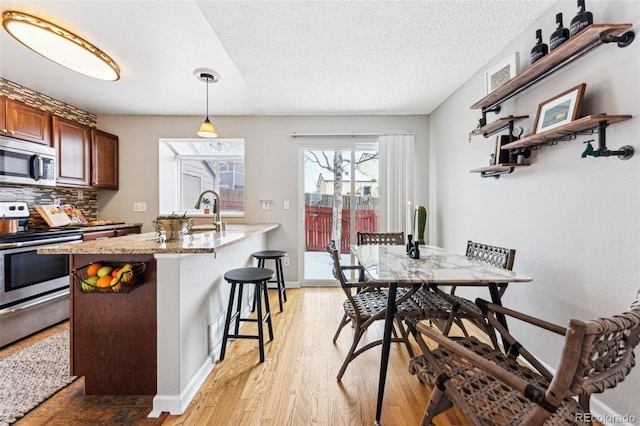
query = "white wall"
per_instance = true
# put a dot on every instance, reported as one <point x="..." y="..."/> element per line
<point x="271" y="156"/>
<point x="574" y="222"/>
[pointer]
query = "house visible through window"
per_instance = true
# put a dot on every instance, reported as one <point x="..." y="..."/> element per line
<point x="188" y="167"/>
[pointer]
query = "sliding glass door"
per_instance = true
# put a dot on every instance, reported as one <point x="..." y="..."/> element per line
<point x="340" y="198"/>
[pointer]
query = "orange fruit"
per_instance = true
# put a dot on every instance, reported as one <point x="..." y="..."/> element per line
<point x="92" y="270"/>
<point x="104" y="282"/>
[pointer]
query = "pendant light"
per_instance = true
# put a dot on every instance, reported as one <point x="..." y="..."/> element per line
<point x="207" y="76"/>
<point x="60" y="46"/>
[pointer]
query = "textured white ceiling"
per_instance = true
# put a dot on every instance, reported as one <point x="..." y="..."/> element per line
<point x="274" y="57"/>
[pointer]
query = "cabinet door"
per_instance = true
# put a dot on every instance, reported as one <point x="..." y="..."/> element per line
<point x="27" y="123"/>
<point x="104" y="160"/>
<point x="3" y="115"/>
<point x="72" y="143"/>
<point x="120" y="232"/>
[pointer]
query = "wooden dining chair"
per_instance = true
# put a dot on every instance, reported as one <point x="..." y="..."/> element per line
<point x="491" y="388"/>
<point x="381" y="238"/>
<point x="465" y="309"/>
<point x="367" y="306"/>
<point x="370" y="238"/>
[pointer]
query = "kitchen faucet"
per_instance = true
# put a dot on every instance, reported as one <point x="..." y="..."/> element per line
<point x="217" y="220"/>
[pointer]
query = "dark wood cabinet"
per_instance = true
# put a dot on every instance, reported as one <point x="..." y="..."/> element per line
<point x="72" y="142"/>
<point x="25" y="122"/>
<point x="114" y="335"/>
<point x="104" y="160"/>
<point x="109" y="233"/>
<point x="3" y="116"/>
<point x="121" y="232"/>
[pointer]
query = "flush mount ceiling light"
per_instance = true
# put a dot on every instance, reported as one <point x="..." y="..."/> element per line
<point x="60" y="46"/>
<point x="208" y="76"/>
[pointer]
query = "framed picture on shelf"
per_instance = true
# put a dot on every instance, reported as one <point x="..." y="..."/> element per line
<point x="501" y="155"/>
<point x="500" y="73"/>
<point x="559" y="110"/>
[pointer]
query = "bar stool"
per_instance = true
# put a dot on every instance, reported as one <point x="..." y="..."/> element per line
<point x="277" y="256"/>
<point x="241" y="276"/>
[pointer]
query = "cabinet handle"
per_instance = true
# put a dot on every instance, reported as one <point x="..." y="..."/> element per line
<point x="12" y="132"/>
<point x="4" y="131"/>
<point x="103" y="238"/>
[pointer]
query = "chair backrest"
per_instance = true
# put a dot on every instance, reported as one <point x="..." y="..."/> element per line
<point x="383" y="238"/>
<point x="496" y="256"/>
<point x="337" y="270"/>
<point x="606" y="352"/>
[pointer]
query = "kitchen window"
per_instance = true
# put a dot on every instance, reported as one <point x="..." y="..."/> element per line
<point x="190" y="166"/>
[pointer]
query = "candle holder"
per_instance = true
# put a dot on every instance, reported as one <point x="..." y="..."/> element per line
<point x="409" y="244"/>
<point x="414" y="252"/>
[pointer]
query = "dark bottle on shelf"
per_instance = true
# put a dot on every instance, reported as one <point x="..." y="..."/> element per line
<point x="540" y="49"/>
<point x="581" y="21"/>
<point x="560" y="35"/>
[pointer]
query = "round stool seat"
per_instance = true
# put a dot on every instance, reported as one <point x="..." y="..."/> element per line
<point x="269" y="254"/>
<point x="248" y="275"/>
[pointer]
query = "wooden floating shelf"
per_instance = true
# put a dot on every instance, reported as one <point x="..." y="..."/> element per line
<point x="497" y="125"/>
<point x="498" y="168"/>
<point x="571" y="49"/>
<point x="580" y="125"/>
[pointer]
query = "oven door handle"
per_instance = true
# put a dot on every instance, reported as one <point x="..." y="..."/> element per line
<point x="48" y="241"/>
<point x="34" y="303"/>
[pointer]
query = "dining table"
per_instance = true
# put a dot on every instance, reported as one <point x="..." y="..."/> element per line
<point x="390" y="266"/>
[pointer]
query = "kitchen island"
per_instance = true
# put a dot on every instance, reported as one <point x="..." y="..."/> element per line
<point x="162" y="338"/>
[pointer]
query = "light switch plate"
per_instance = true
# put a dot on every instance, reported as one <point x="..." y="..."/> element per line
<point x="286" y="205"/>
<point x="139" y="207"/>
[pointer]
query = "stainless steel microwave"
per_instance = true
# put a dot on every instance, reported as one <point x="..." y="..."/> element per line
<point x="27" y="163"/>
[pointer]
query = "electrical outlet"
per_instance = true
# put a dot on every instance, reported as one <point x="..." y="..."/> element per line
<point x="286" y="205"/>
<point x="265" y="204"/>
<point x="80" y="194"/>
<point x="286" y="261"/>
<point x="139" y="207"/>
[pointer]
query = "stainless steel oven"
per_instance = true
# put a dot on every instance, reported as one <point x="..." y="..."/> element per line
<point x="27" y="163"/>
<point x="34" y="288"/>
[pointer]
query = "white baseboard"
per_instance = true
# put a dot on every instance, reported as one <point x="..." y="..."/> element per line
<point x="176" y="405"/>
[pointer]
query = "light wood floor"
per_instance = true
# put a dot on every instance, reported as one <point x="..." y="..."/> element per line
<point x="296" y="385"/>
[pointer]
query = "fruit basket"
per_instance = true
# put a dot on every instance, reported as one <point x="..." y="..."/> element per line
<point x="109" y="277"/>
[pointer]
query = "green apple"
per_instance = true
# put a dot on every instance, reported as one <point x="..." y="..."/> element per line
<point x="104" y="271"/>
<point x="89" y="283"/>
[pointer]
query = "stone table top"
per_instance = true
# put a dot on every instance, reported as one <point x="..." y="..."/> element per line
<point x="390" y="263"/>
<point x="199" y="241"/>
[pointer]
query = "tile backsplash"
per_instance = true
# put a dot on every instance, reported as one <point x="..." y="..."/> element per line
<point x="41" y="101"/>
<point x="36" y="195"/>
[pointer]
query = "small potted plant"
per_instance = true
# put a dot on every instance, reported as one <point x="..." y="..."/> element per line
<point x="173" y="225"/>
<point x="206" y="203"/>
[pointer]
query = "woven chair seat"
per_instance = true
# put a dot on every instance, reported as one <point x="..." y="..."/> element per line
<point x="469" y="308"/>
<point x="492" y="401"/>
<point x="433" y="305"/>
<point x="419" y="365"/>
<point x="370" y="303"/>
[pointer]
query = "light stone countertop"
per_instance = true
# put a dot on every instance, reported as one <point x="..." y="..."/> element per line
<point x="147" y="243"/>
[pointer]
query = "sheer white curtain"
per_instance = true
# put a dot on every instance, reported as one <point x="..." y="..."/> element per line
<point x="396" y="182"/>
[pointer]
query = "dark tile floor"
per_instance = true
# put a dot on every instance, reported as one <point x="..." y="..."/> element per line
<point x="70" y="406"/>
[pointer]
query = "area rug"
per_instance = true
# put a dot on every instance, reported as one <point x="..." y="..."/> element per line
<point x="30" y="376"/>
